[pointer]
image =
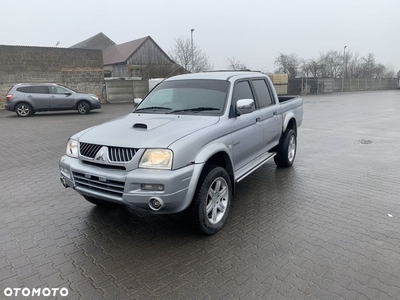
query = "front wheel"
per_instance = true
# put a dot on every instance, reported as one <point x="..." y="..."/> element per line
<point x="83" y="108"/>
<point x="286" y="151"/>
<point x="210" y="205"/>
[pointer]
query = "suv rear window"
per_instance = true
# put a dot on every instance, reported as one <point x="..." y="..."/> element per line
<point x="23" y="89"/>
<point x="39" y="90"/>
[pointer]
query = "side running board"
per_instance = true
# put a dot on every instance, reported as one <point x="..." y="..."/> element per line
<point x="254" y="165"/>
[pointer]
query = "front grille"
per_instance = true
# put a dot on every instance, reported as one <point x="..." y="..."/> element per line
<point x="99" y="184"/>
<point x="89" y="150"/>
<point x="116" y="154"/>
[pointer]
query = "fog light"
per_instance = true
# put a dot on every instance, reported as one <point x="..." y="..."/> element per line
<point x="152" y="187"/>
<point x="155" y="203"/>
<point x="65" y="172"/>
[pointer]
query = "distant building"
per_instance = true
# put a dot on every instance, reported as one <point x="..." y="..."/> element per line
<point x="97" y="42"/>
<point x="138" y="58"/>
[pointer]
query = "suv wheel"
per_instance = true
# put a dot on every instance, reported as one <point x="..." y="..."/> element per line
<point x="210" y="205"/>
<point x="23" y="110"/>
<point x="83" y="108"/>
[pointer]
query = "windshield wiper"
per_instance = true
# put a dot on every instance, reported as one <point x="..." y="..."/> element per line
<point x="152" y="107"/>
<point x="193" y="109"/>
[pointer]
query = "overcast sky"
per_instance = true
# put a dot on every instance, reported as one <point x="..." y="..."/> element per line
<point x="253" y="31"/>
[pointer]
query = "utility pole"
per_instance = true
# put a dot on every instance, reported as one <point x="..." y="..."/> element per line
<point x="191" y="38"/>
<point x="344" y="65"/>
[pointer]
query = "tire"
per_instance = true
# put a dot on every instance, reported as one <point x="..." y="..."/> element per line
<point x="101" y="203"/>
<point x="210" y="206"/>
<point x="286" y="150"/>
<point x="23" y="110"/>
<point x="83" y="108"/>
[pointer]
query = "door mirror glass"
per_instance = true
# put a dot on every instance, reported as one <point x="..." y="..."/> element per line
<point x="244" y="106"/>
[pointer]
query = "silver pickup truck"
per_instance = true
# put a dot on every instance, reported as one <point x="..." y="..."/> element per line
<point x="185" y="146"/>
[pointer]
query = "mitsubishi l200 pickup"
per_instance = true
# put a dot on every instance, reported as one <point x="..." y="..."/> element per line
<point x="185" y="146"/>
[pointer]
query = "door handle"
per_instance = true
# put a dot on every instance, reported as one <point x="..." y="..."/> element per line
<point x="275" y="113"/>
<point x="258" y="120"/>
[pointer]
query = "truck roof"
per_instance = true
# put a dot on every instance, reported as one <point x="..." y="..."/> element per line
<point x="219" y="75"/>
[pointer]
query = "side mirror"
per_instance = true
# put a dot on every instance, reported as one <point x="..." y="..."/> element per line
<point x="137" y="101"/>
<point x="68" y="93"/>
<point x="244" y="106"/>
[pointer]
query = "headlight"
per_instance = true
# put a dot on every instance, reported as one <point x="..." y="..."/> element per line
<point x="72" y="148"/>
<point x="95" y="98"/>
<point x="157" y="159"/>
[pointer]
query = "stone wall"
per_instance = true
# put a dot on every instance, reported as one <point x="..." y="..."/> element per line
<point x="79" y="69"/>
<point x="124" y="90"/>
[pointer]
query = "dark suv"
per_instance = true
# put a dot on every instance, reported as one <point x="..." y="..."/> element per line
<point x="27" y="98"/>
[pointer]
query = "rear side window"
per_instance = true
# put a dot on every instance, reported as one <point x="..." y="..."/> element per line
<point x="39" y="90"/>
<point x="262" y="92"/>
<point x="23" y="89"/>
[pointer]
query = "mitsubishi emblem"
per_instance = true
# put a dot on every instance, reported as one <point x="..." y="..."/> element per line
<point x="101" y="155"/>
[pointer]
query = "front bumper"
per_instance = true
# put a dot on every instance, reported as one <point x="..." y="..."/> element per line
<point x="96" y="105"/>
<point x="125" y="186"/>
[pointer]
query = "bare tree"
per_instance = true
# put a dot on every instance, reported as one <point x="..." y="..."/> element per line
<point x="312" y="68"/>
<point x="181" y="53"/>
<point x="288" y="64"/>
<point x="236" y="64"/>
<point x="332" y="63"/>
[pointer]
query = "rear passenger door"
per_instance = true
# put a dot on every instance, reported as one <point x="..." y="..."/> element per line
<point x="60" y="100"/>
<point x="38" y="96"/>
<point x="271" y="116"/>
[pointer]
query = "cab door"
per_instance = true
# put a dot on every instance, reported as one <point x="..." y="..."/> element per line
<point x="38" y="96"/>
<point x="247" y="132"/>
<point x="271" y="115"/>
<point x="60" y="98"/>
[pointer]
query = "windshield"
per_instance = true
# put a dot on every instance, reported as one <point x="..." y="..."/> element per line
<point x="194" y="96"/>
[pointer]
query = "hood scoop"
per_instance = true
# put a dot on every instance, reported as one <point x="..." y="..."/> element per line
<point x="140" y="125"/>
<point x="152" y="123"/>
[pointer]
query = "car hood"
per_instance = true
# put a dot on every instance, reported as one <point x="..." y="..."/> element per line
<point x="145" y="130"/>
<point x="82" y="95"/>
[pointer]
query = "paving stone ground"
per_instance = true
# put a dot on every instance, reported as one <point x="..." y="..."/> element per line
<point x="318" y="230"/>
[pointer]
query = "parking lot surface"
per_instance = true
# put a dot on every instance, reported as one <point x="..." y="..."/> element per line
<point x="327" y="228"/>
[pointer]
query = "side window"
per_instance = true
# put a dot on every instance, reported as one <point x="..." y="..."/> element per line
<point x="262" y="92"/>
<point x="39" y="90"/>
<point x="242" y="91"/>
<point x="57" y="90"/>
<point x="23" y="89"/>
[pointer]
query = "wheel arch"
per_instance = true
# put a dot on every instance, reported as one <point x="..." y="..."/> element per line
<point x="23" y="102"/>
<point x="290" y="123"/>
<point x="217" y="154"/>
<point x="83" y="100"/>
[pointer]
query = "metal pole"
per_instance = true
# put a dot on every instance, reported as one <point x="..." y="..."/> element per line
<point x="344" y="65"/>
<point x="191" y="37"/>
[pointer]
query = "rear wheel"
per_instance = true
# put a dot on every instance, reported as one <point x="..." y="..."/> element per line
<point x="210" y="205"/>
<point x="101" y="203"/>
<point x="83" y="108"/>
<point x="23" y="110"/>
<point x="286" y="151"/>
